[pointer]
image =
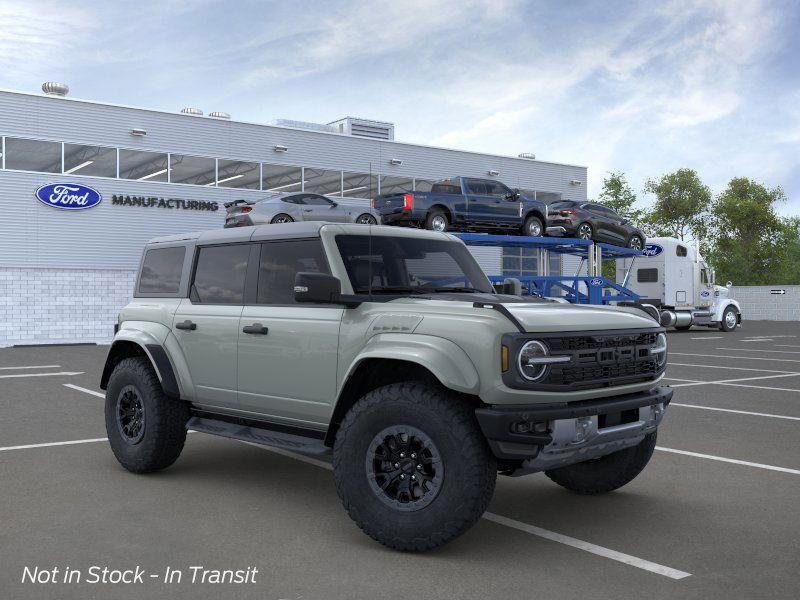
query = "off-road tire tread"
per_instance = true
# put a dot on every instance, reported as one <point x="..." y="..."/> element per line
<point x="165" y="420"/>
<point x="606" y="474"/>
<point x="452" y="413"/>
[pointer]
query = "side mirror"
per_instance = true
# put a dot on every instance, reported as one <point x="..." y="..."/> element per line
<point x="334" y="204"/>
<point x="511" y="286"/>
<point x="317" y="287"/>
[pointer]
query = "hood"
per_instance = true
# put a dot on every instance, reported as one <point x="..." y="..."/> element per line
<point x="541" y="315"/>
<point x="573" y="317"/>
<point x="721" y="291"/>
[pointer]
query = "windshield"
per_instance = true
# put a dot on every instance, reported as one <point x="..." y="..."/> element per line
<point x="385" y="264"/>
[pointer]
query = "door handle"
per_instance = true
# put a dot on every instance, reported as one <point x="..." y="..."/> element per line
<point x="256" y="328"/>
<point x="186" y="325"/>
<point x="308" y="210"/>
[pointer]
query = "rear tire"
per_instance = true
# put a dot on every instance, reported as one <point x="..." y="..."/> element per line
<point x="683" y="327"/>
<point x="636" y="243"/>
<point x="146" y="429"/>
<point x="606" y="473"/>
<point x="437" y="220"/>
<point x="730" y="320"/>
<point x="366" y="219"/>
<point x="282" y="218"/>
<point x="453" y="469"/>
<point x="533" y="227"/>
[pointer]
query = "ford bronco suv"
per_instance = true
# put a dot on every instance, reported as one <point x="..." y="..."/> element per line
<point x="389" y="349"/>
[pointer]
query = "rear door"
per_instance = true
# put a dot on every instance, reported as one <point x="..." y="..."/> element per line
<point x="207" y="323"/>
<point x="600" y="219"/>
<point x="287" y="353"/>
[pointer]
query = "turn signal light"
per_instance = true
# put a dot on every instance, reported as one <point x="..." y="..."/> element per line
<point x="408" y="201"/>
<point x="246" y="209"/>
<point x="504" y="358"/>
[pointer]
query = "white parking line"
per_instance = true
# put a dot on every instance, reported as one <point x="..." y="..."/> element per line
<point x="708" y="337"/>
<point x="82" y="389"/>
<point x="724" y="367"/>
<point x="31" y="367"/>
<point x="531" y="529"/>
<point x="15" y="375"/>
<point x="749" y="358"/>
<point x="758" y="340"/>
<point x="588" y="547"/>
<point x="787" y="346"/>
<point x="756" y="350"/>
<point x="738" y="412"/>
<point x="761" y="387"/>
<point x="730" y="460"/>
<point x="50" y="444"/>
<point x="727" y="381"/>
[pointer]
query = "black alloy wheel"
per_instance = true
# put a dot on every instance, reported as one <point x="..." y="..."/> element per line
<point x="404" y="468"/>
<point x="130" y="415"/>
<point x="584" y="231"/>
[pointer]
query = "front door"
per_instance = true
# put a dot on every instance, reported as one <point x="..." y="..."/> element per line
<point x="207" y="323"/>
<point x="482" y="207"/>
<point x="288" y="352"/>
<point x="319" y="208"/>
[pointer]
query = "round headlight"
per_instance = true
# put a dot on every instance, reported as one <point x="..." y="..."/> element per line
<point x="660" y="349"/>
<point x="528" y="357"/>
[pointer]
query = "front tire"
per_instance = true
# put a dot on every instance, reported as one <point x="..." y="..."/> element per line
<point x="533" y="227"/>
<point x="411" y="466"/>
<point x="146" y="429"/>
<point x="606" y="473"/>
<point x="730" y="320"/>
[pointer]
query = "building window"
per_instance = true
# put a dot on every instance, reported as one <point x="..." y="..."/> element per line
<point x="320" y="181"/>
<point x="237" y="174"/>
<point x="279" y="178"/>
<point x="546" y="197"/>
<point x="143" y="166"/>
<point x="90" y="160"/>
<point x="396" y="185"/>
<point x="194" y="170"/>
<point x="360" y="185"/>
<point x="33" y="155"/>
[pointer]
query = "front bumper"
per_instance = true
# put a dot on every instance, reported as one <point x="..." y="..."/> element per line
<point x="568" y="433"/>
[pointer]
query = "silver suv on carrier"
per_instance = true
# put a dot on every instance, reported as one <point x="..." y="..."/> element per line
<point x="389" y="349"/>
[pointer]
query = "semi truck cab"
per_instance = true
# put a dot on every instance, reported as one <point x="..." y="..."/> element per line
<point x="672" y="276"/>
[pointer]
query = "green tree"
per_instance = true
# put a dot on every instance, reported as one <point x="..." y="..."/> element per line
<point x="750" y="243"/>
<point x="681" y="206"/>
<point x="618" y="195"/>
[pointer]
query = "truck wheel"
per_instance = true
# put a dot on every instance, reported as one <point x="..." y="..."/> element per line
<point x="437" y="220"/>
<point x="411" y="466"/>
<point x="729" y="320"/>
<point x="533" y="227"/>
<point x="146" y="429"/>
<point x="606" y="473"/>
<point x="683" y="327"/>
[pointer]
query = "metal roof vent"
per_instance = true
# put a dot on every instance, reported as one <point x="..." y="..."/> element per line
<point x="376" y="130"/>
<point x="51" y="88"/>
<point x="192" y="111"/>
<point x="527" y="155"/>
<point x="219" y="115"/>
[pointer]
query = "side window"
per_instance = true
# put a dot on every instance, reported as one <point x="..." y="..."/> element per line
<point x="446" y="188"/>
<point x="495" y="188"/>
<point x="315" y="200"/>
<point x="647" y="275"/>
<point x="681" y="251"/>
<point x="280" y="262"/>
<point x="295" y="199"/>
<point x="476" y="186"/>
<point x="161" y="271"/>
<point x="220" y="273"/>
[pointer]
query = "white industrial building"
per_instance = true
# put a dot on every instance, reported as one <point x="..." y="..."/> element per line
<point x="64" y="274"/>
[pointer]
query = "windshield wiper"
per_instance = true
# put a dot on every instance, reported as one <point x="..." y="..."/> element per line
<point x="467" y="290"/>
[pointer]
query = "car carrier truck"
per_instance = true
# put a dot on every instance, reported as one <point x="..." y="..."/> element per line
<point x="673" y="277"/>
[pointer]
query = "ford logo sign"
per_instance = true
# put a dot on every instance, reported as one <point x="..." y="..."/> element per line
<point x="705" y="293"/>
<point x="596" y="282"/>
<point x="652" y="250"/>
<point x="68" y="196"/>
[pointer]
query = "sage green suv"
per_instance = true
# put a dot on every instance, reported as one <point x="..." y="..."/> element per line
<point x="389" y="349"/>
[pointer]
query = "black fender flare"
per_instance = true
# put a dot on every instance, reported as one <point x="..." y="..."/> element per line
<point x="157" y="356"/>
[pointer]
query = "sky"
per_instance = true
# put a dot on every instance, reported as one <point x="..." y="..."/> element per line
<point x="639" y="87"/>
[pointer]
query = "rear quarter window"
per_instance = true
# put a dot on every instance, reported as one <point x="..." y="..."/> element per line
<point x="161" y="271"/>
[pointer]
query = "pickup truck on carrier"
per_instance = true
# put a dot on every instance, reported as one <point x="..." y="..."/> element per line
<point x="465" y="203"/>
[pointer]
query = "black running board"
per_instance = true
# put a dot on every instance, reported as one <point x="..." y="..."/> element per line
<point x="257" y="435"/>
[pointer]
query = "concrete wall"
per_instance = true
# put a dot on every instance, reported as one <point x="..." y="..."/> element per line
<point x="759" y="304"/>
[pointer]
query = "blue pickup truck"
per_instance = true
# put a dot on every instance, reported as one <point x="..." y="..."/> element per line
<point x="465" y="203"/>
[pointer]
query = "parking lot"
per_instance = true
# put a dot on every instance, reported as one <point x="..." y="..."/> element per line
<point x="713" y="516"/>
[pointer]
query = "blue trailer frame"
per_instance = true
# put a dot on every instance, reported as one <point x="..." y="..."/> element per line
<point x="598" y="289"/>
